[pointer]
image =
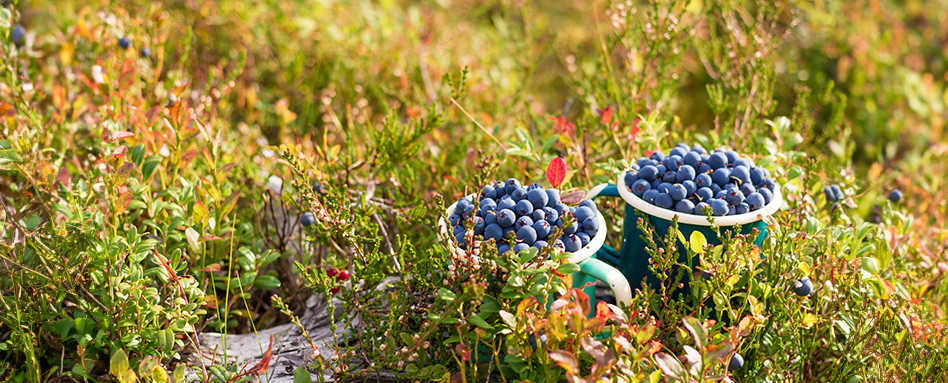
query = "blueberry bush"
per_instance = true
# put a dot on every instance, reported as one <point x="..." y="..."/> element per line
<point x="173" y="168"/>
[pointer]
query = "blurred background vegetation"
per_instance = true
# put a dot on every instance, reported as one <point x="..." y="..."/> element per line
<point x="390" y="104"/>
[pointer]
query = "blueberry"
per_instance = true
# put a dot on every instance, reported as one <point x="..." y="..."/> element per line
<point x="124" y="42"/>
<point x="551" y="214"/>
<point x="747" y="188"/>
<point x="643" y="162"/>
<point x="895" y="195"/>
<point x="490" y="217"/>
<point x="558" y="245"/>
<point x="583" y="238"/>
<point x="640" y="187"/>
<point x="590" y="204"/>
<point x="701" y="207"/>
<point x="572" y="243"/>
<point x="560" y="208"/>
<point x="718" y="206"/>
<point x="704" y="194"/>
<point x="703" y="180"/>
<point x="743" y="162"/>
<point x="664" y="201"/>
<point x="740" y="174"/>
<point x="538" y="215"/>
<point x="704" y="168"/>
<point x="527" y="235"/>
<point x="650" y="195"/>
<point x="583" y="212"/>
<point x="520" y="247"/>
<point x="145" y="52"/>
<point x="672" y="162"/>
<point x="742" y="208"/>
<point x="499" y="189"/>
<point x="458" y="230"/>
<point x="690" y="188"/>
<point x="518" y="194"/>
<point x="453" y="219"/>
<point x="720" y="194"/>
<point x="661" y="170"/>
<point x="717" y="160"/>
<point x="535" y="186"/>
<point x="755" y="201"/>
<point x="731" y="210"/>
<point x="493" y="231"/>
<point x="461" y="240"/>
<point x="479" y="226"/>
<point x="686" y="173"/>
<point x="830" y="195"/>
<point x="307" y="219"/>
<point x="502" y="249"/>
<point x="487" y="204"/>
<point x="657" y="156"/>
<point x="654" y="184"/>
<point x="506" y="202"/>
<point x="757" y="174"/>
<point x="664" y="187"/>
<point x="18" y="35"/>
<point x="552" y="197"/>
<point x="488" y="192"/>
<point x="648" y="172"/>
<point x="679" y="150"/>
<point x="734" y="197"/>
<point x="511" y="185"/>
<point x="685" y="206"/>
<point x="736" y="362"/>
<point x="721" y="176"/>
<point x="768" y="195"/>
<point x="699" y="149"/>
<point x="677" y="192"/>
<point x="838" y="192"/>
<point x="523" y="207"/>
<point x="591" y="226"/>
<point x="506" y="218"/>
<point x="542" y="228"/>
<point x="715" y="188"/>
<point x="523" y="222"/>
<point x="803" y="287"/>
<point x="568" y="230"/>
<point x="732" y="156"/>
<point x="692" y="159"/>
<point x="630" y="177"/>
<point x="540" y="244"/>
<point x="670" y="176"/>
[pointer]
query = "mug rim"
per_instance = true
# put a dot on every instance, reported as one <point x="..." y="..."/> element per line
<point x="582" y="254"/>
<point x="692" y="219"/>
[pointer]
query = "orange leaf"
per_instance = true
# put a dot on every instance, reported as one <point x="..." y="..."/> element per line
<point x="121" y="204"/>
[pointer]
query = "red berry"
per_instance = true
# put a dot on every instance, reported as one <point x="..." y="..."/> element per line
<point x="331" y="272"/>
<point x="335" y="289"/>
<point x="343" y="275"/>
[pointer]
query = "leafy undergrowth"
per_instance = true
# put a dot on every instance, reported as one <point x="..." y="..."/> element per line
<point x="153" y="186"/>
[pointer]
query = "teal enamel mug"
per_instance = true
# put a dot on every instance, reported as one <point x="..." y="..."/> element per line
<point x="632" y="259"/>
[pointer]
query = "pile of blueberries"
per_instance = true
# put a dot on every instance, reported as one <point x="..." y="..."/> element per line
<point x="691" y="180"/>
<point x="517" y="218"/>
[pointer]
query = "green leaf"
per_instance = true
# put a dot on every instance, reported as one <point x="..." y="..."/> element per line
<point x="490" y="305"/>
<point x="509" y="319"/>
<point x="697" y="331"/>
<point x="480" y="322"/>
<point x="118" y="364"/>
<point x="9" y="155"/>
<point x="568" y="268"/>
<point x="266" y="282"/>
<point x="149" y="165"/>
<point x="166" y="339"/>
<point x="698" y="241"/>
<point x="446" y="294"/>
<point x="870" y="264"/>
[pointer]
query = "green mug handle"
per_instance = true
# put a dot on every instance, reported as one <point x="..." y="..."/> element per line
<point x="606" y="252"/>
<point x="610" y="275"/>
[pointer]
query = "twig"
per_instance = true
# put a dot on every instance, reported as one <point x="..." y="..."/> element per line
<point x="489" y="134"/>
<point x="391" y="250"/>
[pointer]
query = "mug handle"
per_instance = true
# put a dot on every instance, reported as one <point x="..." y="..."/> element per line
<point x="610" y="275"/>
<point x="606" y="252"/>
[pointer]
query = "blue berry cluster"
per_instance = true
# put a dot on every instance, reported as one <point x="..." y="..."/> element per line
<point x="690" y="180"/>
<point x="529" y="214"/>
<point x="833" y="193"/>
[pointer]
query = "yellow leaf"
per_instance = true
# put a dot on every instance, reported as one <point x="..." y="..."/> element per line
<point x="804" y="268"/>
<point x="698" y="241"/>
<point x="809" y="320"/>
<point x="681" y="237"/>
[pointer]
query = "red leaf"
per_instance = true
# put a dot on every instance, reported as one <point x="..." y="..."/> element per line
<point x="463" y="351"/>
<point x="121" y="204"/>
<point x="606" y="116"/>
<point x="212" y="268"/>
<point x="63" y="176"/>
<point x="121" y="134"/>
<point x="556" y="172"/>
